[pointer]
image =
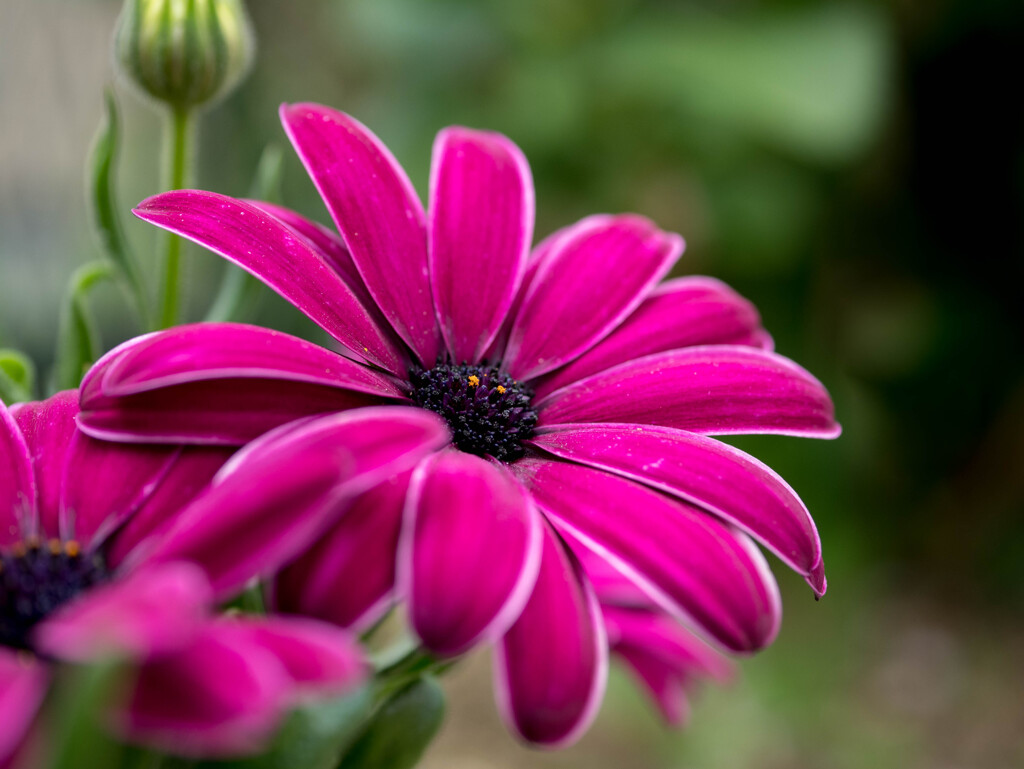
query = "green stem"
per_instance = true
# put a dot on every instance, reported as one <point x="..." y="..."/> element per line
<point x="178" y="144"/>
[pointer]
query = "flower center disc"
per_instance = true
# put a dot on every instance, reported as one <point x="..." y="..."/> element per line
<point x="489" y="413"/>
<point x="36" y="579"/>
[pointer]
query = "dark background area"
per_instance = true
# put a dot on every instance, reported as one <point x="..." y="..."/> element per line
<point x="854" y="168"/>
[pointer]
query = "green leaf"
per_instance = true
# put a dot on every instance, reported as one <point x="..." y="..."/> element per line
<point x="311" y="738"/>
<point x="17" y="377"/>
<point x="78" y="344"/>
<point x="239" y="291"/>
<point x="79" y="699"/>
<point x="106" y="220"/>
<point x="400" y="730"/>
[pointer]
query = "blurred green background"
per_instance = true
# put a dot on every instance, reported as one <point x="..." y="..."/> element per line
<point x="854" y="168"/>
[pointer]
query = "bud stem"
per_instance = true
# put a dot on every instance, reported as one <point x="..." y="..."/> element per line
<point x="178" y="141"/>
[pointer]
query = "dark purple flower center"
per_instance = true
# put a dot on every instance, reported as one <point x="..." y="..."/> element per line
<point x="489" y="413"/>
<point x="37" y="578"/>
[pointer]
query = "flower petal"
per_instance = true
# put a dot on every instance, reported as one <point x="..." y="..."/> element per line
<point x="481" y="226"/>
<point x="219" y="412"/>
<point x="220" y="695"/>
<point x="153" y="612"/>
<point x="680" y="313"/>
<point x="321" y="660"/>
<point x="348" y="576"/>
<point x="263" y="245"/>
<point x="105" y="483"/>
<point x="551" y="668"/>
<point x="714" y="390"/>
<point x="666" y="686"/>
<point x="47" y="427"/>
<point x="470" y="551"/>
<point x="23" y="684"/>
<point x="595" y="277"/>
<point x="708" y="473"/>
<point x="280" y="493"/>
<point x="693" y="566"/>
<point x="377" y="213"/>
<point x="185" y="475"/>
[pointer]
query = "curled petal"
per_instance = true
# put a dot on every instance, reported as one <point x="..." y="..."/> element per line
<point x="283" y="491"/>
<point x="154" y="612"/>
<point x="551" y="667"/>
<point x="714" y="390"/>
<point x="348" y="576"/>
<point x="680" y="313"/>
<point x="470" y="553"/>
<point x="481" y="225"/>
<point x="377" y="213"/>
<point x="693" y="566"/>
<point x="594" y="278"/>
<point x="47" y="427"/>
<point x="272" y="251"/>
<point x="710" y="474"/>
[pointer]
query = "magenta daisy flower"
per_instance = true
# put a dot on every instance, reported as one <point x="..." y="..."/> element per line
<point x="578" y="391"/>
<point x="92" y="548"/>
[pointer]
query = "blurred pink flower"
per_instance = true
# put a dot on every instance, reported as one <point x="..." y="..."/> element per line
<point x="579" y="394"/>
<point x="94" y="540"/>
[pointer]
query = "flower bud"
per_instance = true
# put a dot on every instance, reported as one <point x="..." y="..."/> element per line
<point x="184" y="53"/>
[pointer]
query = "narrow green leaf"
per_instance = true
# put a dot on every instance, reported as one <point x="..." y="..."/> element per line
<point x="401" y="729"/>
<point x="239" y="291"/>
<point x="311" y="738"/>
<point x="105" y="211"/>
<point x="78" y="343"/>
<point x="17" y="377"/>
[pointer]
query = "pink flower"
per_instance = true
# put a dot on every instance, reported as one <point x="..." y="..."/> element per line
<point x="90" y="545"/>
<point x="579" y="393"/>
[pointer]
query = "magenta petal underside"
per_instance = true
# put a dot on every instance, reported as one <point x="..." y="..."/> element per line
<point x="210" y="351"/>
<point x="283" y="491"/>
<point x="665" y="685"/>
<point x="480" y="229"/>
<point x="219" y="412"/>
<point x="348" y="576"/>
<point x="220" y="695"/>
<point x="23" y="684"/>
<point x="187" y="473"/>
<point x="714" y="390"/>
<point x="680" y="313"/>
<point x="551" y="667"/>
<point x="595" y="276"/>
<point x="149" y="613"/>
<point x="47" y="426"/>
<point x="693" y="566"/>
<point x="705" y="472"/>
<point x="375" y="208"/>
<point x="105" y="484"/>
<point x="470" y="551"/>
<point x="17" y="484"/>
<point x="320" y="660"/>
<point x="272" y="251"/>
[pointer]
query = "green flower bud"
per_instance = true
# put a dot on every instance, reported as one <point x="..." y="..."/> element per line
<point x="184" y="52"/>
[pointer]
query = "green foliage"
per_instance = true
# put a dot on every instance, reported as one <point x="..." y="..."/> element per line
<point x="17" y="377"/>
<point x="78" y="341"/>
<point x="400" y="730"/>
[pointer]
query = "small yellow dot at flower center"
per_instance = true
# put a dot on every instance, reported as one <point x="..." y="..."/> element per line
<point x="474" y="381"/>
<point x="500" y="389"/>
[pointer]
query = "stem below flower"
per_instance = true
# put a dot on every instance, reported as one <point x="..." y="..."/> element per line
<point x="178" y="150"/>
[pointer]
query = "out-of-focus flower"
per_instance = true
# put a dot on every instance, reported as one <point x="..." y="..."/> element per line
<point x="184" y="53"/>
<point x="579" y="394"/>
<point x="95" y="540"/>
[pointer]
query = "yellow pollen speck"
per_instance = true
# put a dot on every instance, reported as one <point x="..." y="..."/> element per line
<point x="55" y="546"/>
<point x="474" y="380"/>
<point x="500" y="389"/>
<point x="71" y="548"/>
